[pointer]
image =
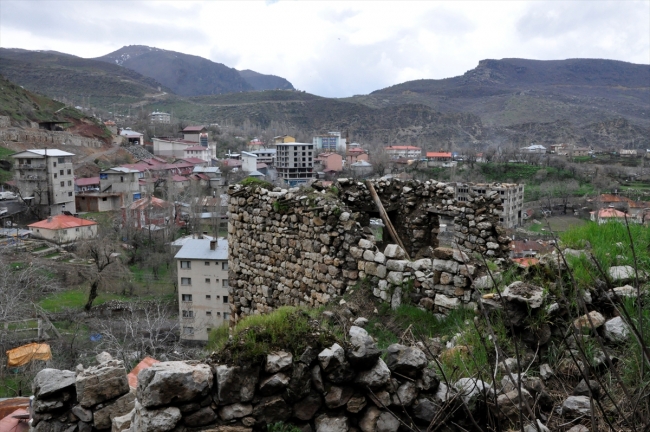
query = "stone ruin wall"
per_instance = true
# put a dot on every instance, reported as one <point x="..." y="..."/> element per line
<point x="44" y="137"/>
<point x="305" y="247"/>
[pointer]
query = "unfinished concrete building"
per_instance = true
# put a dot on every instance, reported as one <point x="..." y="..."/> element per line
<point x="295" y="162"/>
<point x="512" y="196"/>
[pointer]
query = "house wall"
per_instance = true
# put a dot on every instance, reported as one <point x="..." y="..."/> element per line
<point x="199" y="273"/>
<point x="168" y="148"/>
<point x="67" y="235"/>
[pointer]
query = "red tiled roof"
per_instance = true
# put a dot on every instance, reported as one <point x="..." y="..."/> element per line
<point x="525" y="262"/>
<point x="193" y="160"/>
<point x="87" y="181"/>
<point x="609" y="213"/>
<point x="194" y="129"/>
<point x="438" y="154"/>
<point x="356" y="150"/>
<point x="153" y="201"/>
<point x="178" y="178"/>
<point x="261" y="165"/>
<point x="403" y="148"/>
<point x="608" y="198"/>
<point x="61" y="222"/>
<point x="231" y="162"/>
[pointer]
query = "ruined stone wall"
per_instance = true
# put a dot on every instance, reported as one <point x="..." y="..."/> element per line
<point x="305" y="247"/>
<point x="38" y="136"/>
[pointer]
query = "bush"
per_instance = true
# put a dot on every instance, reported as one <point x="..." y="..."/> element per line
<point x="253" y="181"/>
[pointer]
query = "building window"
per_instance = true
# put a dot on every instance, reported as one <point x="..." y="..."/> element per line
<point x="207" y="280"/>
<point x="62" y="184"/>
<point x="186" y="297"/>
<point x="188" y="330"/>
<point x="207" y="263"/>
<point x="61" y="160"/>
<point x="224" y="265"/>
<point x="208" y="297"/>
<point x="54" y="164"/>
<point x="76" y="229"/>
<point x="55" y="175"/>
<point x="225" y="299"/>
<point x="61" y="172"/>
<point x="69" y="182"/>
<point x="69" y="194"/>
<point x="104" y="199"/>
<point x="186" y="281"/>
<point x="188" y="314"/>
<point x="226" y="315"/>
<point x="69" y="172"/>
<point x="224" y="283"/>
<point x="208" y="329"/>
<point x="122" y="179"/>
<point x="186" y="264"/>
<point x="208" y="313"/>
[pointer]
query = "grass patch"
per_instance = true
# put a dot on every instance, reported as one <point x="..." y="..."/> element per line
<point x="74" y="299"/>
<point x="288" y="328"/>
<point x="253" y="181"/>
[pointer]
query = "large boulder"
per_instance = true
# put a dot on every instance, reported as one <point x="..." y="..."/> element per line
<point x="101" y="383"/>
<point x="375" y="377"/>
<point x="338" y="396"/>
<point x="509" y="403"/>
<point x="405" y="394"/>
<point x="173" y="382"/>
<point x="202" y="417"/>
<point x="520" y="292"/>
<point x="235" y="384"/>
<point x="104" y="416"/>
<point x="471" y="389"/>
<point x="274" y="384"/>
<point x="271" y="409"/>
<point x="334" y="364"/>
<point x="405" y="360"/>
<point x="364" y="352"/>
<point x="50" y="382"/>
<point x="424" y="409"/>
<point x="155" y="420"/>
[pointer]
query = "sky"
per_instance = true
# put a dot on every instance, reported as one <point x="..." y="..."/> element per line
<point x="338" y="48"/>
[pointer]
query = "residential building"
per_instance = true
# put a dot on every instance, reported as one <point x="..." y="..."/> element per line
<point x="282" y="139"/>
<point x="149" y="213"/>
<point x="248" y="162"/>
<point x="266" y="156"/>
<point x="438" y="158"/>
<point x="132" y="137"/>
<point x="196" y="134"/>
<point x="330" y="142"/>
<point x="203" y="288"/>
<point x="558" y="148"/>
<point x="45" y="179"/>
<point x="330" y="161"/>
<point x="403" y="152"/>
<point x="628" y="153"/>
<point x="197" y="152"/>
<point x="534" y="149"/>
<point x="63" y="229"/>
<point x="171" y="147"/>
<point x="512" y="197"/>
<point x="609" y="214"/>
<point x="355" y="154"/>
<point x="86" y="184"/>
<point x="578" y="152"/>
<point x="295" y="162"/>
<point x="212" y="175"/>
<point x="361" y="168"/>
<point x="160" y="117"/>
<point x="255" y="144"/>
<point x="122" y="181"/>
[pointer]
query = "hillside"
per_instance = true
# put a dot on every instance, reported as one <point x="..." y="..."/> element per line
<point x="185" y="74"/>
<point x="265" y="82"/>
<point x="64" y="76"/>
<point x="514" y="91"/>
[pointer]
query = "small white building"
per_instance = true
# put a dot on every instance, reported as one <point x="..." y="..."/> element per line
<point x="133" y="137"/>
<point x="198" y="152"/>
<point x="203" y="291"/>
<point x="160" y="117"/>
<point x="534" y="149"/>
<point x="63" y="229"/>
<point x="403" y="152"/>
<point x="248" y="162"/>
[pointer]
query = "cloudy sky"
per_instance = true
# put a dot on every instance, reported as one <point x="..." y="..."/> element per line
<point x="338" y="48"/>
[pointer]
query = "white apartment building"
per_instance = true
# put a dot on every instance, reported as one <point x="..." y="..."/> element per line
<point x="266" y="156"/>
<point x="46" y="177"/>
<point x="248" y="162"/>
<point x="160" y="117"/>
<point x="512" y="196"/>
<point x="403" y="152"/>
<point x="294" y="162"/>
<point x="330" y="142"/>
<point x="203" y="296"/>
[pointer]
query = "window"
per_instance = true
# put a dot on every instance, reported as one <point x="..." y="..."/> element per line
<point x="186" y="297"/>
<point x="226" y="315"/>
<point x="186" y="264"/>
<point x="186" y="281"/>
<point x="76" y="229"/>
<point x="55" y="175"/>
<point x="69" y="194"/>
<point x="54" y="164"/>
<point x="61" y="160"/>
<point x="69" y="182"/>
<point x="122" y="179"/>
<point x="208" y="297"/>
<point x="61" y="172"/>
<point x="62" y="184"/>
<point x="188" y="314"/>
<point x="208" y="329"/>
<point x="224" y="283"/>
<point x="69" y="172"/>
<point x="208" y="313"/>
<point x="224" y="265"/>
<point x="207" y="280"/>
<point x="207" y="263"/>
<point x="188" y="330"/>
<point x="104" y="199"/>
<point x="218" y="313"/>
<point x="225" y="299"/>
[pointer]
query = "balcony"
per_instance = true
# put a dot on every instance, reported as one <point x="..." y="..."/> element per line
<point x="31" y="166"/>
<point x="32" y="178"/>
<point x="187" y="319"/>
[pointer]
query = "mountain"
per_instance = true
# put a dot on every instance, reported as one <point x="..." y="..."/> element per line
<point x="515" y="91"/>
<point x="67" y="77"/>
<point x="185" y="74"/>
<point x="265" y="82"/>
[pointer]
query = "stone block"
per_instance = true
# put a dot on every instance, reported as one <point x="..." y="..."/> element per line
<point x="101" y="383"/>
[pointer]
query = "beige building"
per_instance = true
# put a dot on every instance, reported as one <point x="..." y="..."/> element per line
<point x="46" y="177"/>
<point x="203" y="297"/>
<point x="63" y="229"/>
<point x="512" y="195"/>
<point x="122" y="181"/>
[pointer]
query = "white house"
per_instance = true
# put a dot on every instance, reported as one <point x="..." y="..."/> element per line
<point x="248" y="161"/>
<point x="62" y="229"/>
<point x="534" y="148"/>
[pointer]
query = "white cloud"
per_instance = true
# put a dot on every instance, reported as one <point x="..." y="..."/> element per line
<point x="338" y="48"/>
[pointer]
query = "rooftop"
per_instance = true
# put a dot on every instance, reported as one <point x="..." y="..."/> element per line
<point x="194" y="129"/>
<point x="399" y="147"/>
<point x="196" y="148"/>
<point x="130" y="133"/>
<point x="439" y="154"/>
<point x="61" y="222"/>
<point x="87" y="181"/>
<point x="200" y="249"/>
<point x="45" y="152"/>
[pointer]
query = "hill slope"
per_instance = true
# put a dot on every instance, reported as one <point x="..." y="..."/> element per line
<point x="185" y="74"/>
<point x="265" y="82"/>
<point x="514" y="91"/>
<point x="64" y="76"/>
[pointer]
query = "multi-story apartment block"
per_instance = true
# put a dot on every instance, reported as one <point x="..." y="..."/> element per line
<point x="512" y="195"/>
<point x="160" y="117"/>
<point x="403" y="152"/>
<point x="266" y="156"/>
<point x="46" y="176"/>
<point x="203" y="297"/>
<point x="295" y="162"/>
<point x="330" y="142"/>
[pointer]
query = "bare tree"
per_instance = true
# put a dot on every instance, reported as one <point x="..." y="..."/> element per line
<point x="20" y="286"/>
<point x="106" y="268"/>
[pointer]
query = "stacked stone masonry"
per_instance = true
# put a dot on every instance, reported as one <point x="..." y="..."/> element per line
<point x="306" y="247"/>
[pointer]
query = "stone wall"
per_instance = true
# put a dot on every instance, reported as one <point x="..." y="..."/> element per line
<point x="305" y="247"/>
<point x="43" y="137"/>
<point x="333" y="389"/>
